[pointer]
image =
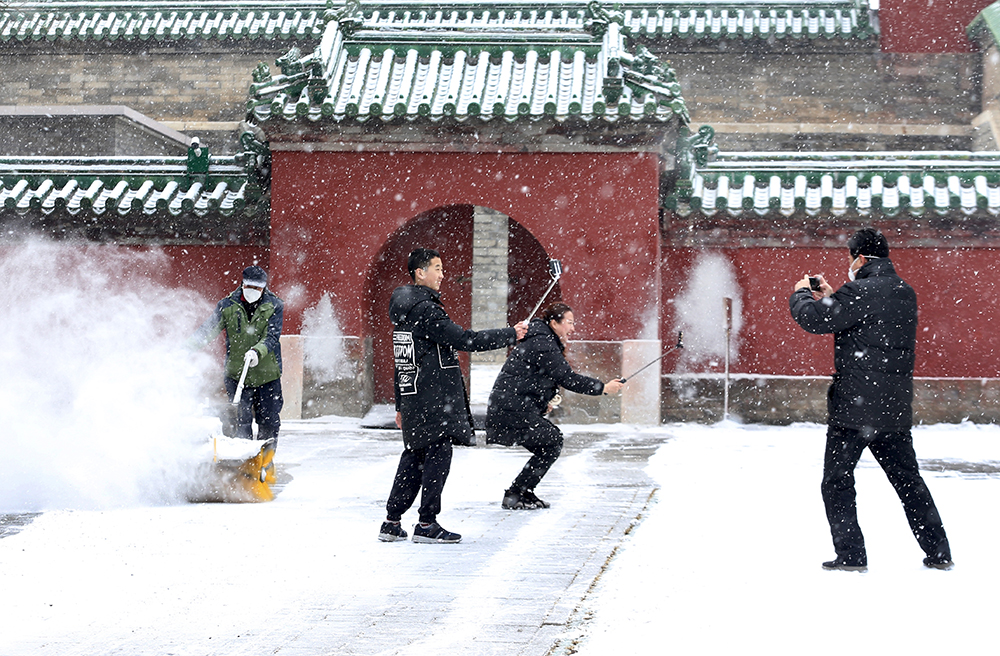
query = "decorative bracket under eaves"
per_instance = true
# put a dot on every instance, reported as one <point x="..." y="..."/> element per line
<point x="693" y="150"/>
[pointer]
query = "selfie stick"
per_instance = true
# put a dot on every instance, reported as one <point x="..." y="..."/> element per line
<point x="555" y="270"/>
<point x="678" y="345"/>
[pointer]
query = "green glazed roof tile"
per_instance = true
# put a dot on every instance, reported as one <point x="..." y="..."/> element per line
<point x="913" y="183"/>
<point x="160" y="21"/>
<point x="364" y="69"/>
<point x="90" y="188"/>
<point x="165" y="20"/>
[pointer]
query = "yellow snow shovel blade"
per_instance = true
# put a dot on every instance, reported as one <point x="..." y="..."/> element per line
<point x="237" y="481"/>
<point x="254" y="473"/>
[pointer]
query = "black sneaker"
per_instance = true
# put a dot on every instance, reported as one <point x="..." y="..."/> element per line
<point x="512" y="500"/>
<point x="845" y="565"/>
<point x="391" y="532"/>
<point x="939" y="561"/>
<point x="529" y="496"/>
<point x="434" y="533"/>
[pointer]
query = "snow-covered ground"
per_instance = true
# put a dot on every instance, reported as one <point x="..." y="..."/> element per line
<point x="680" y="539"/>
<point x="726" y="556"/>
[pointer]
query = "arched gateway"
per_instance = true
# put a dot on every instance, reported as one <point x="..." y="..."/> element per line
<point x="393" y="132"/>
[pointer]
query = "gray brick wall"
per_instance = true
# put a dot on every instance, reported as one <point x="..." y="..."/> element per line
<point x="167" y="86"/>
<point x="489" y="278"/>
<point x="837" y="93"/>
<point x="833" y="90"/>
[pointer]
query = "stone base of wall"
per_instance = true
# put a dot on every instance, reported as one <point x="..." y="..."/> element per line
<point x="350" y="395"/>
<point x="784" y="400"/>
<point x="775" y="400"/>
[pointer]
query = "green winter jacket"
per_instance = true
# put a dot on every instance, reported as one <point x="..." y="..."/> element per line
<point x="261" y="332"/>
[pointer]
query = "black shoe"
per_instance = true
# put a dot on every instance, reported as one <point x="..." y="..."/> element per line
<point x="939" y="561"/>
<point x="434" y="533"/>
<point x="391" y="532"/>
<point x="529" y="497"/>
<point x="514" y="500"/>
<point x="844" y="565"/>
<point x="468" y="440"/>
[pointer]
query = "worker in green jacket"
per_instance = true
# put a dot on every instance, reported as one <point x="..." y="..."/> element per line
<point x="251" y="317"/>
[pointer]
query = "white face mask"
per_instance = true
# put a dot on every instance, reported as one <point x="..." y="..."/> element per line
<point x="252" y="295"/>
<point x="850" y="270"/>
<point x="851" y="273"/>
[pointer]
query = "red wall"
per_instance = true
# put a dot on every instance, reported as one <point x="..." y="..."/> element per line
<point x="212" y="271"/>
<point x="955" y="288"/>
<point x="333" y="213"/>
<point x="927" y="25"/>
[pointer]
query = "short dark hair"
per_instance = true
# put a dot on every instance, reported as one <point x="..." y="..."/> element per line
<point x="420" y="258"/>
<point x="555" y="312"/>
<point x="869" y="242"/>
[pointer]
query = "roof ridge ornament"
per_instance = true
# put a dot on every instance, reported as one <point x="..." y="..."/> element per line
<point x="197" y="158"/>
<point x="349" y="17"/>
<point x="599" y="17"/>
<point x="256" y="154"/>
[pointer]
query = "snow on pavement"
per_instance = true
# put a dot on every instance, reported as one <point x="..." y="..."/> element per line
<point x="726" y="556"/>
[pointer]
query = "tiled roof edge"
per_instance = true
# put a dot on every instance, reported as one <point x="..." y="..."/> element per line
<point x="160" y="21"/>
<point x="421" y="74"/>
<point x="184" y="19"/>
<point x="92" y="188"/>
<point x="838" y="183"/>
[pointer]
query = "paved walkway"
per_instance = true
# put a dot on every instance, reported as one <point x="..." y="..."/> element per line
<point x="518" y="580"/>
<point x="305" y="575"/>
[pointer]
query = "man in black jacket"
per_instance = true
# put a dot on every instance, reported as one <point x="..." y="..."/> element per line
<point x="874" y="322"/>
<point x="432" y="408"/>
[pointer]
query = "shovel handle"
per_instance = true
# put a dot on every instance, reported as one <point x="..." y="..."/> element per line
<point x="239" y="386"/>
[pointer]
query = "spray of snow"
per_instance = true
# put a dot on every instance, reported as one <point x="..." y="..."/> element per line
<point x="650" y="322"/>
<point x="102" y="400"/>
<point x="323" y="342"/>
<point x="701" y="312"/>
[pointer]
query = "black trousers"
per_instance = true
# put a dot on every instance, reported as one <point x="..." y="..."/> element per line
<point x="894" y="453"/>
<point x="420" y="470"/>
<point x="262" y="403"/>
<point x="536" y="434"/>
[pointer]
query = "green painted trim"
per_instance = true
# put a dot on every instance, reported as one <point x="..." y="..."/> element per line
<point x="985" y="27"/>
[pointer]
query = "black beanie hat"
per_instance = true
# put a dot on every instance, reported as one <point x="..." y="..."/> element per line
<point x="254" y="275"/>
<point x="869" y="242"/>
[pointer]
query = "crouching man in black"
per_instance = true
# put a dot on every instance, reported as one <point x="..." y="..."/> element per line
<point x="522" y="395"/>
<point x="432" y="407"/>
<point x="873" y="319"/>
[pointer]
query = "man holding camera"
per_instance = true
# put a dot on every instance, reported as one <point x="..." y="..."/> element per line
<point x="873" y="319"/>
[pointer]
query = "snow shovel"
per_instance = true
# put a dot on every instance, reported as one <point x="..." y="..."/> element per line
<point x="239" y="385"/>
<point x="231" y="419"/>
<point x="240" y="479"/>
<point x="555" y="270"/>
